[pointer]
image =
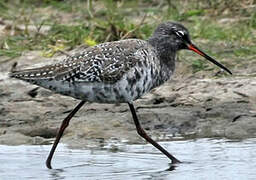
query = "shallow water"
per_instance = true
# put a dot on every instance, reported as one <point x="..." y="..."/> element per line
<point x="203" y="159"/>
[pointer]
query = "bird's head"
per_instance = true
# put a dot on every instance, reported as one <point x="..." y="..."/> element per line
<point x="173" y="36"/>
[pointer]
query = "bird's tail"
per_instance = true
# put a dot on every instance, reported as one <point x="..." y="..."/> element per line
<point x="32" y="74"/>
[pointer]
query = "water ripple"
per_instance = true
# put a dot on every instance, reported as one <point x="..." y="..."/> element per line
<point x="203" y="159"/>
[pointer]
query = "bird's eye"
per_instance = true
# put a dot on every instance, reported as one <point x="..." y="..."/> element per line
<point x="180" y="33"/>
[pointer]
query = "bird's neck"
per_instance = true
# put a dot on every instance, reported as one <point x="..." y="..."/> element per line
<point x="165" y="51"/>
<point x="166" y="55"/>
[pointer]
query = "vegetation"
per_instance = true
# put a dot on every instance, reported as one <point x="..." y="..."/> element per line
<point x="226" y="29"/>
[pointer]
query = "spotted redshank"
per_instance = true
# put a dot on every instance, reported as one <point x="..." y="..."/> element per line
<point x="116" y="72"/>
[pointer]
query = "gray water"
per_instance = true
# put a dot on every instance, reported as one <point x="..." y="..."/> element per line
<point x="203" y="159"/>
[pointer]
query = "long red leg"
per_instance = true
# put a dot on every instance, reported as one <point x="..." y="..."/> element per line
<point x="143" y="134"/>
<point x="63" y="126"/>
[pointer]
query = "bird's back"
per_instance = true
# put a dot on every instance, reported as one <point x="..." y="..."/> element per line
<point x="119" y="71"/>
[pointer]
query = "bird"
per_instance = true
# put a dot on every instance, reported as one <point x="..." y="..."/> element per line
<point x="116" y="72"/>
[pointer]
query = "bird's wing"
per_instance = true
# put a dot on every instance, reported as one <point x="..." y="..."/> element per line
<point x="105" y="62"/>
<point x="43" y="73"/>
<point x="108" y="62"/>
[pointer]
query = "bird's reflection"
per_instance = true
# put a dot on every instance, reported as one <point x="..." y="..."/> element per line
<point x="171" y="167"/>
<point x="56" y="174"/>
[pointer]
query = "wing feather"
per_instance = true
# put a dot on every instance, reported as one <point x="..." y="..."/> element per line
<point x="105" y="62"/>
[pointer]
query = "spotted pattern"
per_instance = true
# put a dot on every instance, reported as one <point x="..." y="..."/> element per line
<point x="120" y="71"/>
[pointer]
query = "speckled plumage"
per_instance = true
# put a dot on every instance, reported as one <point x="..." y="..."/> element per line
<point x="112" y="72"/>
<point x="120" y="71"/>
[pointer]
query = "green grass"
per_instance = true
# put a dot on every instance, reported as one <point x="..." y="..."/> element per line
<point x="218" y="32"/>
<point x="198" y="65"/>
<point x="98" y="28"/>
<point x="73" y="23"/>
<point x="245" y="51"/>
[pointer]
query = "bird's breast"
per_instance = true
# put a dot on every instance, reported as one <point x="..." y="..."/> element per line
<point x="133" y="84"/>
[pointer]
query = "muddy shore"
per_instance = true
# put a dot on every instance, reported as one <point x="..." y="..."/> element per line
<point x="184" y="107"/>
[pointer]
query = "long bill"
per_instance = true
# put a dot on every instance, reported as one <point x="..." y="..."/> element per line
<point x="198" y="51"/>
